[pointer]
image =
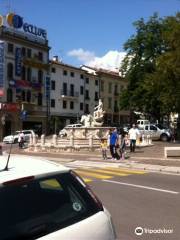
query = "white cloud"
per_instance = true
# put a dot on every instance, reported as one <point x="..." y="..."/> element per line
<point x="111" y="60"/>
<point x="82" y="55"/>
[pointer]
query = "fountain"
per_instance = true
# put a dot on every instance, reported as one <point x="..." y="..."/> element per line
<point x="92" y="125"/>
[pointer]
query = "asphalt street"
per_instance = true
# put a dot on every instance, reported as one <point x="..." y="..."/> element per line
<point x="150" y="201"/>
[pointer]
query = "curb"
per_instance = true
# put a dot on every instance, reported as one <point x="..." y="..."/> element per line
<point x="126" y="164"/>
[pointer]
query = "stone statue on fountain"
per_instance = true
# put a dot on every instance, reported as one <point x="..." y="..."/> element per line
<point x="95" y="120"/>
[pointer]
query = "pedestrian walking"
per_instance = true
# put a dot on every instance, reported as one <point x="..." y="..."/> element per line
<point x="21" y="139"/>
<point x="133" y="135"/>
<point x="104" y="148"/>
<point x="114" y="137"/>
<point x="122" y="146"/>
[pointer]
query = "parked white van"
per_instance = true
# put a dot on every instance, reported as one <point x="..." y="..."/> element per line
<point x="142" y="122"/>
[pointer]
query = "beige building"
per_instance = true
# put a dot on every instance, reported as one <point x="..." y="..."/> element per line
<point x="24" y="79"/>
<point x="110" y="87"/>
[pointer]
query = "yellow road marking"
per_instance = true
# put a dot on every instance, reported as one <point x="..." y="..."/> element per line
<point x="108" y="172"/>
<point x="86" y="173"/>
<point x="87" y="180"/>
<point x="125" y="171"/>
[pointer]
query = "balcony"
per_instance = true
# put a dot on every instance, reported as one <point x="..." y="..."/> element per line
<point x="69" y="94"/>
<point x="34" y="63"/>
<point x="33" y="108"/>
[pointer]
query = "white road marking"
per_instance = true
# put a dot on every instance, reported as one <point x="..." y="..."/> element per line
<point x="141" y="186"/>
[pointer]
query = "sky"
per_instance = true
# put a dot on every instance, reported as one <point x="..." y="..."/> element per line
<point x="89" y="32"/>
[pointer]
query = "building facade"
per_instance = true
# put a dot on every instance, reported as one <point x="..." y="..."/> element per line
<point x="24" y="76"/>
<point x="74" y="92"/>
<point x="110" y="87"/>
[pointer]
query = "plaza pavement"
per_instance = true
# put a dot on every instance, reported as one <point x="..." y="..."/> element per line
<point x="149" y="158"/>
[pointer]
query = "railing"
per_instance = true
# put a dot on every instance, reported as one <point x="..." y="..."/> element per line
<point x="33" y="107"/>
<point x="69" y="93"/>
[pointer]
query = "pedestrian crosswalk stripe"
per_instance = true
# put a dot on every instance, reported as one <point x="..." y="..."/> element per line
<point x="108" y="172"/>
<point x="122" y="170"/>
<point x="91" y="174"/>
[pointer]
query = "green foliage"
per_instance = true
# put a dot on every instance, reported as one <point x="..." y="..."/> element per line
<point x="152" y="67"/>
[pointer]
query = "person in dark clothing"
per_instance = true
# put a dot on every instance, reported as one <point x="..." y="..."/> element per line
<point x="113" y="142"/>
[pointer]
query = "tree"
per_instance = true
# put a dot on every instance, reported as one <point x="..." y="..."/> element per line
<point x="151" y="67"/>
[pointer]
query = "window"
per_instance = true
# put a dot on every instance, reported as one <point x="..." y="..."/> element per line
<point x="53" y="103"/>
<point x="40" y="99"/>
<point x="23" y="51"/>
<point x="102" y="86"/>
<point x="64" y="88"/>
<point x="29" y="74"/>
<point x="115" y="106"/>
<point x="109" y="102"/>
<point x="87" y="108"/>
<point x="23" y="96"/>
<point x="96" y="82"/>
<point x="116" y="90"/>
<point x="72" y="90"/>
<point x="87" y="80"/>
<point x="60" y="197"/>
<point x="82" y="76"/>
<point x="28" y="96"/>
<point x="40" y="56"/>
<point x="87" y="94"/>
<point x="64" y="72"/>
<point x="96" y="96"/>
<point x="81" y="90"/>
<point x="23" y="73"/>
<point x="10" y="71"/>
<point x="64" y="104"/>
<point x="10" y="48"/>
<point x="71" y="105"/>
<point x="110" y="87"/>
<point x="40" y="76"/>
<point x="9" y="95"/>
<point x="53" y="85"/>
<point x="29" y="53"/>
<point x="153" y="128"/>
<point x="72" y="74"/>
<point x="81" y="106"/>
<point x="53" y="70"/>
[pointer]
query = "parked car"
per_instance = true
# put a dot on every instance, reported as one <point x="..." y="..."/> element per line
<point x="157" y="132"/>
<point x="14" y="137"/>
<point x="63" y="132"/>
<point x="43" y="200"/>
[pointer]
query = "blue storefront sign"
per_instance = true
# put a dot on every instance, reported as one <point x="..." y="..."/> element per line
<point x="18" y="62"/>
<point x="1" y="67"/>
<point x="24" y="115"/>
<point x="47" y="87"/>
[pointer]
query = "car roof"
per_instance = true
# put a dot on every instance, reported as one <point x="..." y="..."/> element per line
<point x="25" y="130"/>
<point x="22" y="166"/>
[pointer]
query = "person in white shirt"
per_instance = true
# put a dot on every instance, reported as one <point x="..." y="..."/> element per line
<point x="133" y="135"/>
<point x="21" y="139"/>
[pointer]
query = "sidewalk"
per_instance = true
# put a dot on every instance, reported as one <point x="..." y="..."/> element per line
<point x="147" y="158"/>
